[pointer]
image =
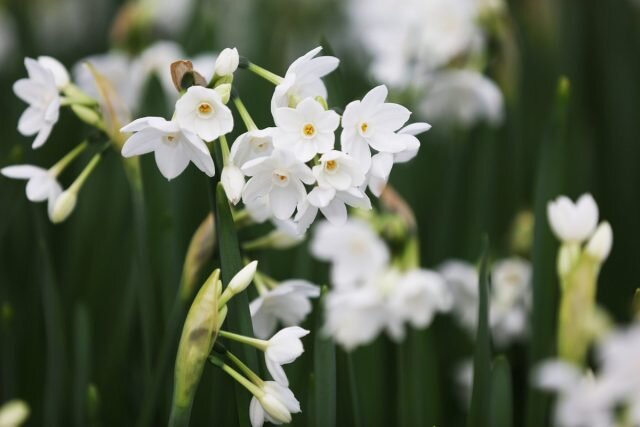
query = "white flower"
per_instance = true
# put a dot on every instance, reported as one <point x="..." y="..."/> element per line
<point x="252" y="145"/>
<point x="306" y="130"/>
<point x="354" y="317"/>
<point x="583" y="401"/>
<point x="288" y="303"/>
<point x="332" y="204"/>
<point x="13" y="413"/>
<point x="227" y="62"/>
<point x="356" y="252"/>
<point x="283" y="348"/>
<point x="275" y="406"/>
<point x="573" y="223"/>
<point x="462" y="97"/>
<point x="201" y="111"/>
<point x="41" y="185"/>
<point x="599" y="245"/>
<point x="462" y="278"/>
<point x="373" y="123"/>
<point x="338" y="170"/>
<point x="417" y="296"/>
<point x="41" y="93"/>
<point x="173" y="147"/>
<point x="156" y="60"/>
<point x="510" y="299"/>
<point x="281" y="177"/>
<point x="60" y="73"/>
<point x="304" y="80"/>
<point x="232" y="180"/>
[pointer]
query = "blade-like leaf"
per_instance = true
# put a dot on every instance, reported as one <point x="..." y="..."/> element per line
<point x="324" y="363"/>
<point x="501" y="393"/>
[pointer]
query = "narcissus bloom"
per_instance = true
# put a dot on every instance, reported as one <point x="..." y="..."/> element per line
<point x="252" y="145"/>
<point x="201" y="111"/>
<point x="275" y="405"/>
<point x="573" y="222"/>
<point x="304" y="80"/>
<point x="306" y="130"/>
<point x="373" y="123"/>
<point x="281" y="177"/>
<point x="173" y="147"/>
<point x="288" y="304"/>
<point x="41" y="185"/>
<point x="41" y="92"/>
<point x="283" y="348"/>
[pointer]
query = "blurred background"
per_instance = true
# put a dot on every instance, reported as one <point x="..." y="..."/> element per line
<point x="71" y="308"/>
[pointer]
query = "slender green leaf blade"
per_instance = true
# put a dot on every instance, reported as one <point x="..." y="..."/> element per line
<point x="501" y="393"/>
<point x="324" y="363"/>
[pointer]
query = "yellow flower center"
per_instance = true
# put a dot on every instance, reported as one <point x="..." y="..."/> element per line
<point x="364" y="126"/>
<point x="205" y="108"/>
<point x="331" y="165"/>
<point x="309" y="130"/>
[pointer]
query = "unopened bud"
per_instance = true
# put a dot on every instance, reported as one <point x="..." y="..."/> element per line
<point x="227" y="62"/>
<point x="225" y="92"/>
<point x="243" y="278"/>
<point x="275" y="408"/>
<point x="233" y="182"/>
<point x="63" y="206"/>
<point x="88" y="115"/>
<point x="13" y="413"/>
<point x="599" y="245"/>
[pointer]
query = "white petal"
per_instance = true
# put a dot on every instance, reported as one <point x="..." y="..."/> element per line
<point x="283" y="201"/>
<point x="22" y="171"/>
<point x="321" y="197"/>
<point x="256" y="413"/>
<point x="142" y="142"/>
<point x="171" y="160"/>
<point x="335" y="212"/>
<point x="31" y="121"/>
<point x="276" y="371"/>
<point x="257" y="186"/>
<point x="43" y="134"/>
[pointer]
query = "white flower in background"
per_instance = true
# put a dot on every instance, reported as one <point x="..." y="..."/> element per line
<point x="372" y="123"/>
<point x="599" y="245"/>
<point x="13" y="413"/>
<point x="573" y="222"/>
<point x="287" y="304"/>
<point x="173" y="147"/>
<point x="583" y="400"/>
<point x="41" y="185"/>
<point x="510" y="300"/>
<point x="354" y="317"/>
<point x="170" y="15"/>
<point x="303" y="80"/>
<point x="60" y="73"/>
<point x="232" y="180"/>
<point x="275" y="406"/>
<point x="201" y="111"/>
<point x="227" y="62"/>
<point x="156" y="60"/>
<point x="8" y="39"/>
<point x="306" y="130"/>
<point x="462" y="278"/>
<point x="462" y="97"/>
<point x="417" y="296"/>
<point x="40" y="91"/>
<point x="355" y="251"/>
<point x="283" y="348"/>
<point x="280" y="177"/>
<point x="252" y="145"/>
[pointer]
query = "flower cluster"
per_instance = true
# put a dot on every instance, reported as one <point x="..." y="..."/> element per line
<point x="595" y="399"/>
<point x="372" y="292"/>
<point x="435" y="46"/>
<point x="509" y="297"/>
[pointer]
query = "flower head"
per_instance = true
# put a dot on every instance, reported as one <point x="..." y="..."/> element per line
<point x="173" y="147"/>
<point x="252" y="145"/>
<point x="41" y="185"/>
<point x="283" y="348"/>
<point x="573" y="222"/>
<point x="275" y="405"/>
<point x="201" y="111"/>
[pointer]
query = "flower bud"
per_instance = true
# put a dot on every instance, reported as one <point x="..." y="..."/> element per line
<point x="233" y="182"/>
<point x="243" y="278"/>
<point x="227" y="62"/>
<point x="225" y="92"/>
<point x="198" y="336"/>
<point x="63" y="206"/>
<point x="600" y="243"/>
<point x="13" y="413"/>
<point x="275" y="408"/>
<point x="88" y="115"/>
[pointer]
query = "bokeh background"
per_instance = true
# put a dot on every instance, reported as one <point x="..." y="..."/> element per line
<point x="71" y="303"/>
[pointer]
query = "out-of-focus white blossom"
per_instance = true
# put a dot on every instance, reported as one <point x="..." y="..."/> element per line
<point x="41" y="185"/>
<point x="274" y="405"/>
<point x="283" y="348"/>
<point x="573" y="222"/>
<point x="599" y="245"/>
<point x="13" y="413"/>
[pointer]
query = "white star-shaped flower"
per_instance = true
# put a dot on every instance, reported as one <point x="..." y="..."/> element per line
<point x="201" y="111"/>
<point x="275" y="405"/>
<point x="304" y="79"/>
<point x="306" y="130"/>
<point x="41" y="185"/>
<point x="373" y="123"/>
<point x="173" y="147"/>
<point x="283" y="348"/>
<point x="251" y="145"/>
<point x="281" y="177"/>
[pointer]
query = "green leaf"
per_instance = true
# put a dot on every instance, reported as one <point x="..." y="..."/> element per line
<point x="550" y="183"/>
<point x="81" y="364"/>
<point x="501" y="393"/>
<point x="480" y="412"/>
<point x="324" y="364"/>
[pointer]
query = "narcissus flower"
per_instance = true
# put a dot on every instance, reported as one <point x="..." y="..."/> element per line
<point x="252" y="145"/>
<point x="201" y="111"/>
<point x="41" y="92"/>
<point x="304" y="80"/>
<point x="283" y="348"/>
<point x="281" y="177"/>
<point x="573" y="222"/>
<point x="288" y="303"/>
<point x="173" y="147"/>
<point x="275" y="405"/>
<point x="373" y="123"/>
<point x="41" y="185"/>
<point x="306" y="130"/>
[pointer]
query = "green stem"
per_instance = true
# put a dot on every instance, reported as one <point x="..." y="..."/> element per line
<point x="68" y="158"/>
<point x="77" y="184"/>
<point x="244" y="114"/>
<point x="255" y="342"/>
<point x="265" y="74"/>
<point x="253" y="389"/>
<point x="245" y="369"/>
<point x="224" y="146"/>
